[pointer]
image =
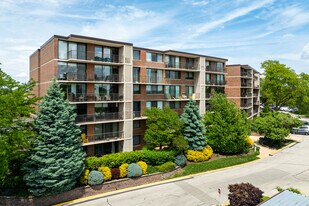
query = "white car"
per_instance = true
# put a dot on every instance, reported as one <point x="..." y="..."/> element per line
<point x="303" y="130"/>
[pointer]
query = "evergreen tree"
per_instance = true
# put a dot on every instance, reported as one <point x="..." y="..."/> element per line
<point x="57" y="158"/>
<point x="194" y="130"/>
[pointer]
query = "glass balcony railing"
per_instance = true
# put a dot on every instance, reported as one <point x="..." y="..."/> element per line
<point x="108" y="78"/>
<point x="106" y="136"/>
<point x="246" y="74"/>
<point x="98" y="117"/>
<point x="215" y="69"/>
<point x="89" y="97"/>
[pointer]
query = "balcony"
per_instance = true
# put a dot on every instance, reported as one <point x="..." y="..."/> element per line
<point x="180" y="65"/>
<point x="106" y="136"/>
<point x="256" y="103"/>
<point x="215" y="83"/>
<point x="108" y="78"/>
<point x="92" y="56"/>
<point x="137" y="114"/>
<point x="246" y="84"/>
<point x="210" y="69"/>
<point x="255" y="94"/>
<point x="246" y="74"/>
<point x="246" y="94"/>
<point x="91" y="97"/>
<point x="99" y="117"/>
<point x="245" y="105"/>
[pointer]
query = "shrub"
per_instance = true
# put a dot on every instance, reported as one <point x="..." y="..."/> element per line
<point x="143" y="166"/>
<point x="151" y="169"/>
<point x="115" y="173"/>
<point x="134" y="170"/>
<point x="83" y="180"/>
<point x="166" y="167"/>
<point x="249" y="142"/>
<point x="106" y="173"/>
<point x="116" y="159"/>
<point x="95" y="178"/>
<point x="180" y="160"/>
<point x="244" y="194"/>
<point x="291" y="189"/>
<point x="199" y="156"/>
<point x="123" y="170"/>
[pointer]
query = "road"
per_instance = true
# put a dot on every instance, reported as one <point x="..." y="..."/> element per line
<point x="288" y="168"/>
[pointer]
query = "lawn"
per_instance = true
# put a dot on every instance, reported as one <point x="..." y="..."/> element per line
<point x="217" y="164"/>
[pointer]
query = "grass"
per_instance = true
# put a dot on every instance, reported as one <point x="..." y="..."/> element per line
<point x="217" y="164"/>
<point x="264" y="198"/>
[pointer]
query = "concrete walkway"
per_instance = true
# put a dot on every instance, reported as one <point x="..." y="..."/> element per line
<point x="288" y="168"/>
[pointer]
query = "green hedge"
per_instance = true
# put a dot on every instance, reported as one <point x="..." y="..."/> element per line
<point x="116" y="159"/>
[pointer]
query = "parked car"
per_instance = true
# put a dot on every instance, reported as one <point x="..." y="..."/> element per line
<point x="303" y="130"/>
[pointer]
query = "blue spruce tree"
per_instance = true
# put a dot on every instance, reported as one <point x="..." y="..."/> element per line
<point x="194" y="130"/>
<point x="57" y="157"/>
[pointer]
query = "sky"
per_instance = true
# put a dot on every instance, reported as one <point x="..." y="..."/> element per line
<point x="243" y="31"/>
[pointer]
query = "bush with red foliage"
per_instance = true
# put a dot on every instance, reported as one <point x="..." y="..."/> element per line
<point x="244" y="194"/>
<point x="115" y="173"/>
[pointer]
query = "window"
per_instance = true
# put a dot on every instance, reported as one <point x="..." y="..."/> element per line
<point x="189" y="63"/>
<point x="136" y="124"/>
<point x="189" y="75"/>
<point x="136" y="89"/>
<point x="63" y="50"/>
<point x="136" y="54"/>
<point x="172" y="91"/>
<point x="106" y="73"/>
<point x="154" y="89"/>
<point x="172" y="74"/>
<point x="189" y="91"/>
<point x="71" y="71"/>
<point x="136" y="140"/>
<point x="220" y="66"/>
<point x="219" y="79"/>
<point x="108" y="130"/>
<point x="106" y="92"/>
<point x="207" y="66"/>
<point x="154" y="76"/>
<point x="174" y="105"/>
<point x="172" y="61"/>
<point x="208" y="92"/>
<point x="153" y="57"/>
<point x="136" y="74"/>
<point x="106" y="54"/>
<point x="207" y="78"/>
<point x="219" y="89"/>
<point x="158" y="104"/>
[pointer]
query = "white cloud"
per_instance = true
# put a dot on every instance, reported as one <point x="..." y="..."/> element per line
<point x="305" y="52"/>
<point x="22" y="74"/>
<point x="196" y="2"/>
<point x="231" y="15"/>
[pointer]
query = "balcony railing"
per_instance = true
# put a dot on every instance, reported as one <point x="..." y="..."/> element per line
<point x="243" y="84"/>
<point x="246" y="104"/>
<point x="247" y="94"/>
<point x="216" y="83"/>
<point x="137" y="114"/>
<point x="89" y="97"/>
<point x="73" y="77"/>
<point x="255" y="94"/>
<point x="181" y="66"/>
<point x="108" y="78"/>
<point x="95" y="56"/>
<point x="154" y="79"/>
<point x="106" y="136"/>
<point x="99" y="117"/>
<point x="246" y="74"/>
<point x="256" y="103"/>
<point x="211" y="69"/>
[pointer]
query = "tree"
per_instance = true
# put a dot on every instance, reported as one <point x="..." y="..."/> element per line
<point x="16" y="129"/>
<point x="194" y="130"/>
<point x="280" y="85"/>
<point x="275" y="127"/>
<point x="57" y="158"/>
<point x="302" y="102"/>
<point x="226" y="126"/>
<point x="164" y="128"/>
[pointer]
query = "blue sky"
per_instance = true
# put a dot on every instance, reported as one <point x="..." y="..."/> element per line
<point x="243" y="31"/>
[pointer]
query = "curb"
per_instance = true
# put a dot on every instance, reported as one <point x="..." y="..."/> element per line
<point x="121" y="191"/>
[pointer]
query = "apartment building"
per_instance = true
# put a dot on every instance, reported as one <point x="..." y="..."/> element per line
<point x="243" y="87"/>
<point x="110" y="83"/>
